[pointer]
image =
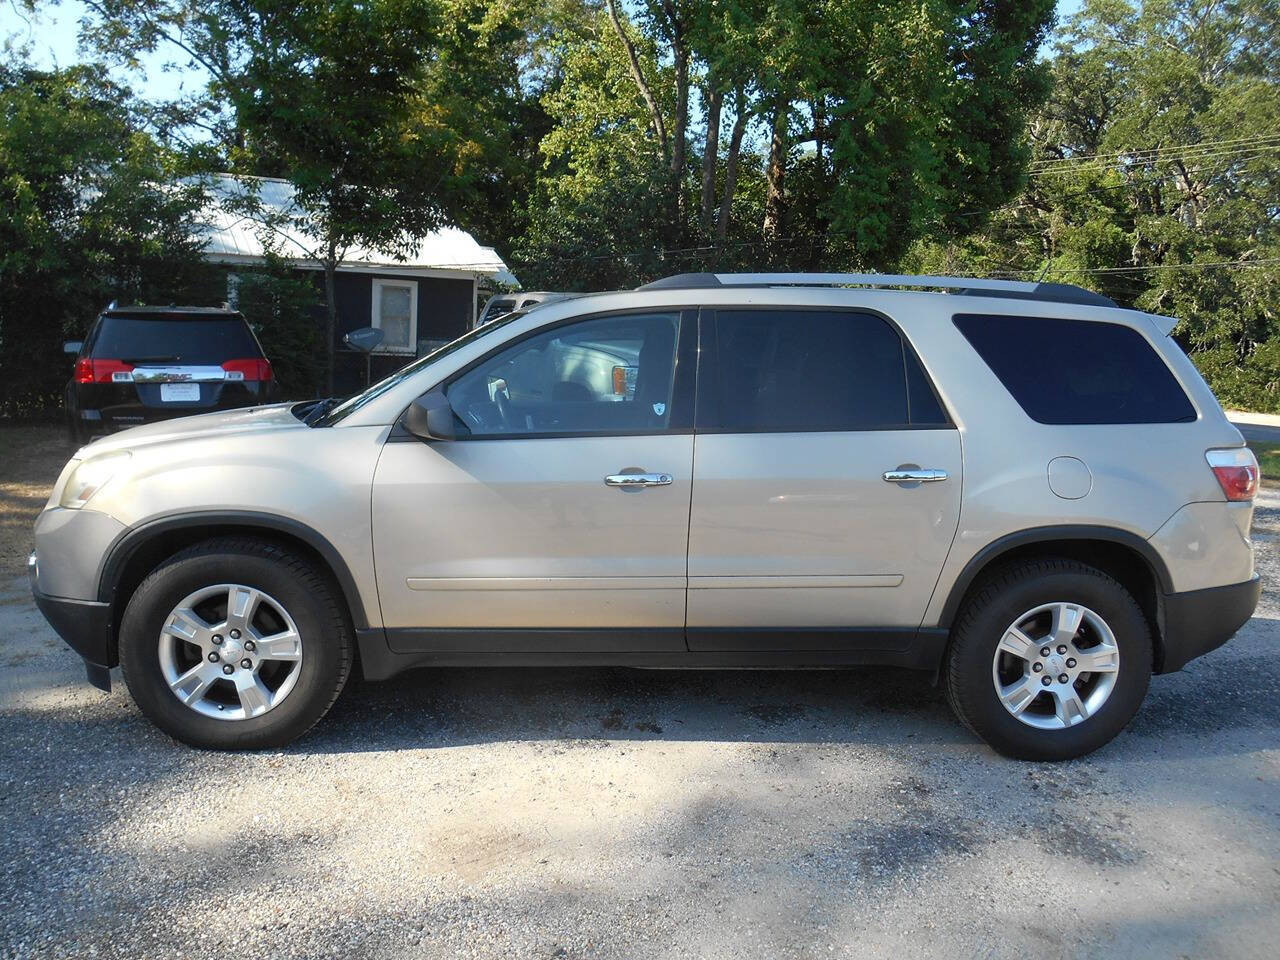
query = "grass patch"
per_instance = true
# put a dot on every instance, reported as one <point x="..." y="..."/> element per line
<point x="1268" y="455"/>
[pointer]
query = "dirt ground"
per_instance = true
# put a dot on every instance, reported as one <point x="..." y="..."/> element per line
<point x="30" y="460"/>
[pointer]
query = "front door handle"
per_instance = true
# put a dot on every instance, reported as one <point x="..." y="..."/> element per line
<point x="634" y="481"/>
<point x="914" y="475"/>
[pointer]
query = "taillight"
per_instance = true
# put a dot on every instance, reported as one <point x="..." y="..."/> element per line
<point x="248" y="369"/>
<point x="103" y="371"/>
<point x="1237" y="471"/>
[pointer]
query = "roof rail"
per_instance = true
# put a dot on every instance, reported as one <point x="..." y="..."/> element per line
<point x="971" y="286"/>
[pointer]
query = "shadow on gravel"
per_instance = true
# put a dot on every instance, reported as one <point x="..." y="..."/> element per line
<point x="459" y="706"/>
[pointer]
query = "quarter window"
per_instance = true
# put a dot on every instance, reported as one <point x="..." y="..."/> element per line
<point x="813" y="370"/>
<point x="1077" y="371"/>
<point x="605" y="375"/>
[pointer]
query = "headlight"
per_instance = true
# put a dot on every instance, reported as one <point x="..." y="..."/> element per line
<point x="90" y="477"/>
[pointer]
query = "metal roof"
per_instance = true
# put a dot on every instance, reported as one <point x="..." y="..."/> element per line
<point x="233" y="233"/>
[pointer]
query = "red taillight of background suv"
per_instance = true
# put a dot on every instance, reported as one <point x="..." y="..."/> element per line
<point x="101" y="371"/>
<point x="248" y="369"/>
<point x="1237" y="471"/>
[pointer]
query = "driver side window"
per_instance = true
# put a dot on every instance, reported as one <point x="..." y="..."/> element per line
<point x="600" y="376"/>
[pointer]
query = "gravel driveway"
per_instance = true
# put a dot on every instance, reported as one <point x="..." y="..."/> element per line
<point x="608" y="813"/>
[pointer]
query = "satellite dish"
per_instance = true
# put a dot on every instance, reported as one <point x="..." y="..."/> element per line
<point x="366" y="339"/>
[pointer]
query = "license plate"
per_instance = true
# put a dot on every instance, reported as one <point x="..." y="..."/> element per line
<point x="178" y="392"/>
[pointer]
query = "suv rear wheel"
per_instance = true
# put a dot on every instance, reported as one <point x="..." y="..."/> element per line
<point x="235" y="644"/>
<point x="1049" y="660"/>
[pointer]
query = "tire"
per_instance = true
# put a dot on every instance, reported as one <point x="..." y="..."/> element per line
<point x="302" y="663"/>
<point x="1112" y="629"/>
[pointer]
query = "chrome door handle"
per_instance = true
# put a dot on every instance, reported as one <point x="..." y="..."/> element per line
<point x="914" y="476"/>
<point x="631" y="481"/>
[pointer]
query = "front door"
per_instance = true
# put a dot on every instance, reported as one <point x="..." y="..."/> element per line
<point x="558" y="521"/>
<point x="827" y="487"/>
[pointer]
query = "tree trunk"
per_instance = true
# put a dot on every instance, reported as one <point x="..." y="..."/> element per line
<point x="331" y="315"/>
<point x="710" y="157"/>
<point x="775" y="174"/>
<point x="655" y="114"/>
<point x="678" y="137"/>
<point x="731" y="165"/>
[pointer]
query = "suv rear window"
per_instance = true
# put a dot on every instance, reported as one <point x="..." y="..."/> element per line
<point x="173" y="339"/>
<point x="1077" y="371"/>
<point x="817" y="370"/>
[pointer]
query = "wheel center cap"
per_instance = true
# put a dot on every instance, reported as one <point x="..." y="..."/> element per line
<point x="1056" y="663"/>
<point x="232" y="650"/>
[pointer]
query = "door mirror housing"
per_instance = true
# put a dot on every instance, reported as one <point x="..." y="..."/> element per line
<point x="72" y="346"/>
<point x="430" y="417"/>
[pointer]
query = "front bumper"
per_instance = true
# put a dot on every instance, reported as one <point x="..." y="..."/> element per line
<point x="1198" y="621"/>
<point x="85" y="625"/>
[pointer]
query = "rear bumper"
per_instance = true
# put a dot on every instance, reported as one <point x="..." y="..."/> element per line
<point x="85" y="625"/>
<point x="1198" y="621"/>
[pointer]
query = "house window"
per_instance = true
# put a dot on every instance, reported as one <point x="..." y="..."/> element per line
<point x="395" y="312"/>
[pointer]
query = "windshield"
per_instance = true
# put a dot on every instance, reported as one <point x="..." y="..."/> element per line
<point x="352" y="404"/>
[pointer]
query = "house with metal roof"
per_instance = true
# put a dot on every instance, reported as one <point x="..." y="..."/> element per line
<point x="419" y="299"/>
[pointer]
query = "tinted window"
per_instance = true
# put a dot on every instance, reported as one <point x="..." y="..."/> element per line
<point x="816" y="370"/>
<point x="163" y="339"/>
<point x="1078" y="371"/>
<point x="605" y="375"/>
<point x="922" y="401"/>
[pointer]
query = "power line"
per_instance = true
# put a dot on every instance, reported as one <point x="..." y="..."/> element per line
<point x="1237" y="153"/>
<point x="1139" y="153"/>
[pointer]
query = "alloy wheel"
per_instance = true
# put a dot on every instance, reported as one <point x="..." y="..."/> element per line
<point x="1056" y="665"/>
<point x="230" y="651"/>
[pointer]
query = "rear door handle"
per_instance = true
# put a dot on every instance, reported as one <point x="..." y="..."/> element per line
<point x="914" y="476"/>
<point x="633" y="481"/>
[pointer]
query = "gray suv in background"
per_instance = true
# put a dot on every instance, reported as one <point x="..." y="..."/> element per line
<point x="1019" y="489"/>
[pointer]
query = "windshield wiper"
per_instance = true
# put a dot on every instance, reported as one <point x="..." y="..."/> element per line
<point x="319" y="410"/>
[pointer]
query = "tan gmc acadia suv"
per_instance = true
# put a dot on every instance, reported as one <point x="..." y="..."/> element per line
<point x="1018" y="488"/>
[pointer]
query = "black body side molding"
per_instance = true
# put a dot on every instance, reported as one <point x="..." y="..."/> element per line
<point x="135" y="538"/>
<point x="1035" y="535"/>
<point x="385" y="653"/>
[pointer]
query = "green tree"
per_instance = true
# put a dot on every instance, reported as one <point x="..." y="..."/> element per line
<point x="869" y="124"/>
<point x="1155" y="178"/>
<point x="281" y="304"/>
<point x="91" y="210"/>
<point x="331" y="96"/>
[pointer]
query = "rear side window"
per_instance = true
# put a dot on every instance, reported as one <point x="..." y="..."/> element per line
<point x="1077" y="371"/>
<point x="813" y="370"/>
<point x="160" y="339"/>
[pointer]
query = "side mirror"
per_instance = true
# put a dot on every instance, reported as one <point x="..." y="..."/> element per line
<point x="430" y="417"/>
<point x="72" y="346"/>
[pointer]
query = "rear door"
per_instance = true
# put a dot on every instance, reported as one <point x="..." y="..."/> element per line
<point x="827" y="483"/>
<point x="559" y="521"/>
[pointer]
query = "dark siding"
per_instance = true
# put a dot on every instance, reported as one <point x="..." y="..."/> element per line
<point x="444" y="310"/>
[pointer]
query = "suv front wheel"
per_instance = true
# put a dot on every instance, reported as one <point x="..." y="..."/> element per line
<point x="1049" y="660"/>
<point x="235" y="644"/>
